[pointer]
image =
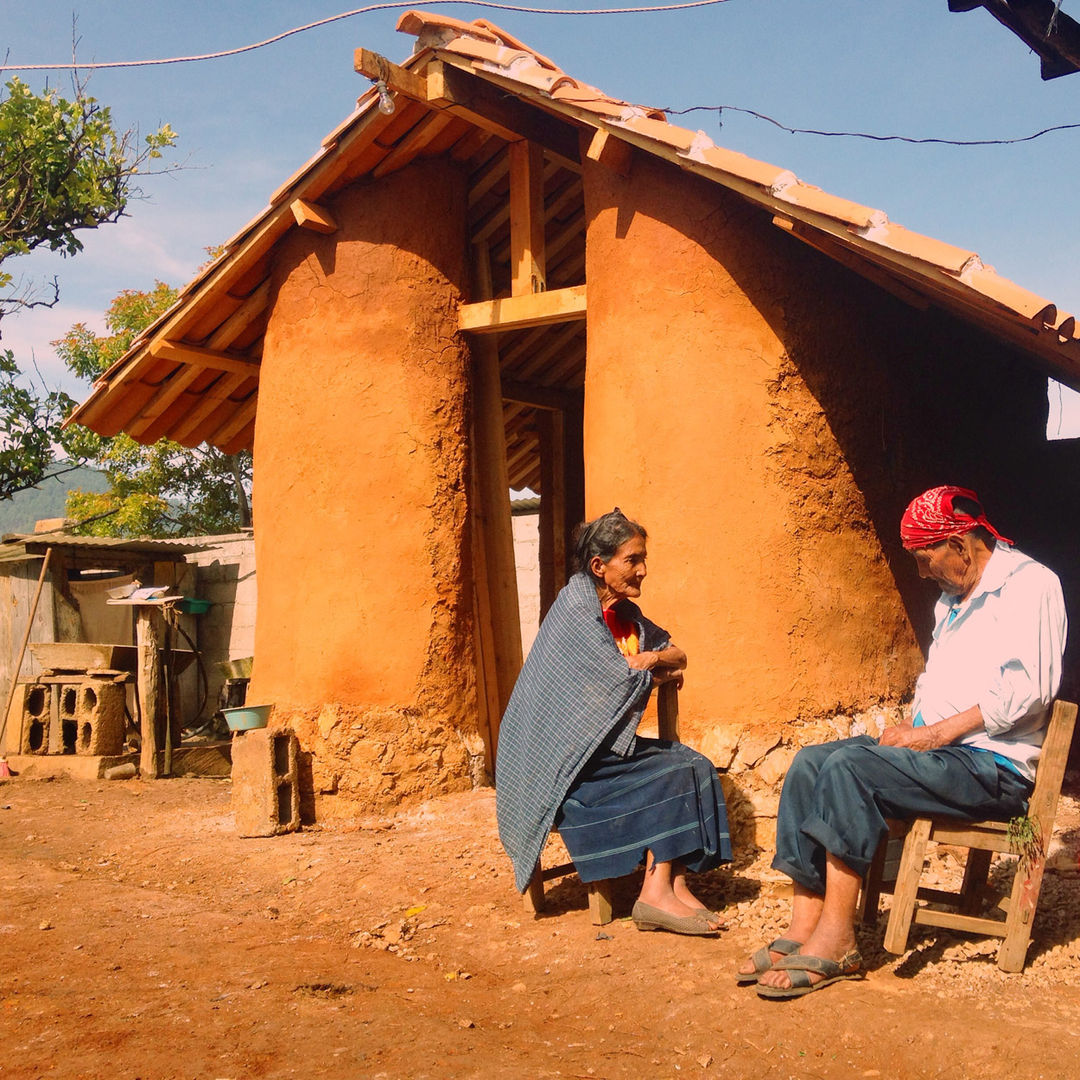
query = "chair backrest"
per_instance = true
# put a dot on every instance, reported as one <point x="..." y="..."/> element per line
<point x="1042" y="806"/>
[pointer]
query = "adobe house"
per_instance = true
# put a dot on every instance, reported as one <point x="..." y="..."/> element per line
<point x="492" y="274"/>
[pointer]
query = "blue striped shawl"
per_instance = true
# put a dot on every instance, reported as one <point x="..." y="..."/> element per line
<point x="574" y="691"/>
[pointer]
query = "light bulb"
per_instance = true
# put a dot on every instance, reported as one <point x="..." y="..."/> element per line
<point x="386" y="99"/>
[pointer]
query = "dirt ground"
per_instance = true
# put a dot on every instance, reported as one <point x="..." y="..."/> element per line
<point x="141" y="938"/>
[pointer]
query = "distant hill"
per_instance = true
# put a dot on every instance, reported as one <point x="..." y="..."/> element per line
<point x="18" y="514"/>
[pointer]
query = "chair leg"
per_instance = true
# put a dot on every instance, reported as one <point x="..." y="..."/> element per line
<point x="907" y="885"/>
<point x="600" y="902"/>
<point x="1025" y="896"/>
<point x="975" y="874"/>
<point x="533" y="897"/>
<point x="870" y="894"/>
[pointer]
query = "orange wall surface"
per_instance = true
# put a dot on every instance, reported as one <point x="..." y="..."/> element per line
<point x="697" y="424"/>
<point x="364" y="622"/>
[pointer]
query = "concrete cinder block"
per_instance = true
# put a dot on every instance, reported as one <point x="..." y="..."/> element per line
<point x="265" y="782"/>
<point x="83" y="716"/>
<point x="29" y="719"/>
<point x="99" y="718"/>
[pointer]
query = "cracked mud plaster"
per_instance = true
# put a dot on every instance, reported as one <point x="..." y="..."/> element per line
<point x="361" y="450"/>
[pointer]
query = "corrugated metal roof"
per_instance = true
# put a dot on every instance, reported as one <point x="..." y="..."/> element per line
<point x="19" y="546"/>
<point x="193" y="375"/>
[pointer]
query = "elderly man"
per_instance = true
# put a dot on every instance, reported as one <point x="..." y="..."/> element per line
<point x="978" y="718"/>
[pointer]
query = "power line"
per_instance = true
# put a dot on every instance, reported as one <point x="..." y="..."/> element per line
<point x="492" y="4"/>
<point x="866" y="135"/>
<point x="392" y="6"/>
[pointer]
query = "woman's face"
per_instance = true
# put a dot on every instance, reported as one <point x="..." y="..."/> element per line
<point x="621" y="576"/>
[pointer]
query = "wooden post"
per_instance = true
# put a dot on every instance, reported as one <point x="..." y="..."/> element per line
<point x="573" y="459"/>
<point x="553" y="532"/>
<point x="493" y="501"/>
<point x="487" y="679"/>
<point x="527" y="257"/>
<point x="148" y="640"/>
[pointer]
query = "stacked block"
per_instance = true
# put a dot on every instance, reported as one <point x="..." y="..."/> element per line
<point x="265" y="782"/>
<point x="76" y="716"/>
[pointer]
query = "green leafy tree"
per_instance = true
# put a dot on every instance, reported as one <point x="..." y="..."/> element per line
<point x="30" y="419"/>
<point x="63" y="168"/>
<point x="159" y="490"/>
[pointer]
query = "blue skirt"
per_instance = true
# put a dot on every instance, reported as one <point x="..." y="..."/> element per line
<point x="664" y="798"/>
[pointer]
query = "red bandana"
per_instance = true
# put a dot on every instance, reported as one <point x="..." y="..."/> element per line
<point x="930" y="518"/>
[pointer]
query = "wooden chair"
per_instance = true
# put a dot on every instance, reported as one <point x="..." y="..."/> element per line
<point x="984" y="838"/>
<point x="600" y="892"/>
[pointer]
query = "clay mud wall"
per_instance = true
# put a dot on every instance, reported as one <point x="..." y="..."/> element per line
<point x="767" y="414"/>
<point x="363" y="636"/>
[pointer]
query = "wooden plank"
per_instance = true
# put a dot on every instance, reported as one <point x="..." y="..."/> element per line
<point x="251" y="308"/>
<point x="952" y="920"/>
<point x="312" y="216"/>
<point x="530" y="355"/>
<point x="519" y="312"/>
<point x="374" y="66"/>
<point x="167" y="393"/>
<point x="499" y="113"/>
<point x="551" y="398"/>
<point x="182" y="353"/>
<point x="528" y="261"/>
<point x="413" y="144"/>
<point x="212" y="398"/>
<point x="485" y="178"/>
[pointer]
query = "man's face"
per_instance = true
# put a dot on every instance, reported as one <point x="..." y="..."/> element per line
<point x="947" y="564"/>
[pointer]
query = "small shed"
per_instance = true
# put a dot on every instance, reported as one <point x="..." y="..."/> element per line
<point x="495" y="275"/>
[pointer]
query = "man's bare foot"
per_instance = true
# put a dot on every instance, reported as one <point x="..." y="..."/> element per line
<point x="820" y="945"/>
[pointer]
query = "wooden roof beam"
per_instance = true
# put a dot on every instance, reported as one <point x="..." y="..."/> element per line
<point x="413" y="144"/>
<point x="549" y="398"/>
<point x="212" y="398"/>
<point x="166" y="394"/>
<point x="500" y="113"/>
<point x="241" y="318"/>
<point x="520" y="312"/>
<point x="180" y="353"/>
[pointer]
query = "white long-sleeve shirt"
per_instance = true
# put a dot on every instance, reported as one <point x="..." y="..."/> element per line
<point x="1000" y="649"/>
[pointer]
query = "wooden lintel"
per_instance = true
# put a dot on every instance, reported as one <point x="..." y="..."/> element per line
<point x="519" y="312"/>
<point x="549" y="398"/>
<point x="613" y="153"/>
<point x="312" y="216"/>
<point x="500" y="113"/>
<point x="195" y="354"/>
<point x="528" y="262"/>
<point x="374" y="66"/>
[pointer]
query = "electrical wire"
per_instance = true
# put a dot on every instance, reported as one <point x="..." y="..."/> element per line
<point x="492" y="4"/>
<point x="392" y="6"/>
<point x="865" y="135"/>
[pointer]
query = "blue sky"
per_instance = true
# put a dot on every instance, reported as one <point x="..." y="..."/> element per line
<point x="881" y="66"/>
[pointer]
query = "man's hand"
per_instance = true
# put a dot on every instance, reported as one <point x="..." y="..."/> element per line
<point x="913" y="738"/>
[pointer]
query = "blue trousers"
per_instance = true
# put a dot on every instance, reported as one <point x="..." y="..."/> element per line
<point x="837" y="796"/>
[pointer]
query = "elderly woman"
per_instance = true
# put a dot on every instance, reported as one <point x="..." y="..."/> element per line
<point x="569" y="755"/>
